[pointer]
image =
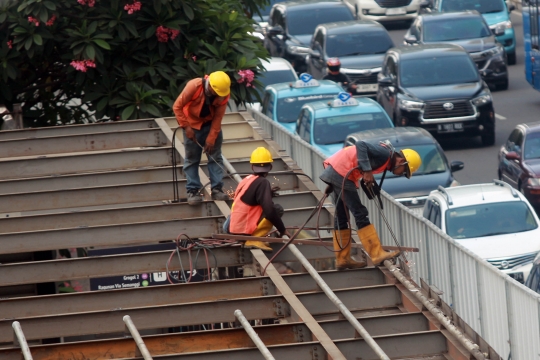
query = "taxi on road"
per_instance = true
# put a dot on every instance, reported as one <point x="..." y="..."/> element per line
<point x="282" y="102"/>
<point x="326" y="124"/>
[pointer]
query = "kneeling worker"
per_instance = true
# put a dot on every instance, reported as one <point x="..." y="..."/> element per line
<point x="361" y="161"/>
<point x="253" y="212"/>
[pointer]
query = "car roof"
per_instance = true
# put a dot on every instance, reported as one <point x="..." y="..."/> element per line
<point x="530" y="127"/>
<point x="428" y="50"/>
<point x="285" y="89"/>
<point x="467" y="195"/>
<point x="365" y="105"/>
<point x="398" y="136"/>
<point x="276" y="64"/>
<point x="438" y="16"/>
<point x="353" y="26"/>
<point x="309" y="4"/>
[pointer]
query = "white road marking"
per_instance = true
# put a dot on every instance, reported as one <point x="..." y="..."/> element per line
<point x="499" y="117"/>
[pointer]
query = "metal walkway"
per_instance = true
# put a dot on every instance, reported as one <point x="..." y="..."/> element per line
<point x="110" y="185"/>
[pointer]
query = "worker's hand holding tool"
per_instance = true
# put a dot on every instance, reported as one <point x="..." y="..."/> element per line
<point x="208" y="148"/>
<point x="369" y="180"/>
<point x="190" y="133"/>
<point x="286" y="233"/>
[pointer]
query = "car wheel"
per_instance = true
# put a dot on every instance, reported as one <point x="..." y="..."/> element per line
<point x="503" y="85"/>
<point x="488" y="138"/>
<point x="512" y="59"/>
<point x="499" y="174"/>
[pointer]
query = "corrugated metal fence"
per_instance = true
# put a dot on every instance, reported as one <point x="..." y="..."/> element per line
<point x="504" y="312"/>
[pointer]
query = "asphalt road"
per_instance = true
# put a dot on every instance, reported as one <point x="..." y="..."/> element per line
<point x="519" y="104"/>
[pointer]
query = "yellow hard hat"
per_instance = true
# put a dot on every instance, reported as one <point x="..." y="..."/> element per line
<point x="220" y="82"/>
<point x="261" y="160"/>
<point x="413" y="161"/>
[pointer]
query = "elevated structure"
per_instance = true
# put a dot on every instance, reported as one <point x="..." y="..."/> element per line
<point x="108" y="189"/>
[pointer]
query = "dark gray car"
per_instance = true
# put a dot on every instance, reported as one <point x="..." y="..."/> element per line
<point x="434" y="172"/>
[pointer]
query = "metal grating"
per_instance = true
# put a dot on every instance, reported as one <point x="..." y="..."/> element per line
<point x="436" y="110"/>
<point x="393" y="3"/>
<point x="512" y="262"/>
<point x="363" y="78"/>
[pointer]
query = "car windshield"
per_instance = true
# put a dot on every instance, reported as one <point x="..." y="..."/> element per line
<point x="482" y="6"/>
<point x="334" y="129"/>
<point x="288" y="108"/>
<point x="302" y="22"/>
<point x="455" y="29"/>
<point x="489" y="220"/>
<point x="433" y="160"/>
<point x="371" y="42"/>
<point x="275" y="77"/>
<point x="435" y="70"/>
<point x="532" y="146"/>
<point x="265" y="11"/>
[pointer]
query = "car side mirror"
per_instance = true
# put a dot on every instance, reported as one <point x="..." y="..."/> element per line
<point x="512" y="155"/>
<point x="385" y="81"/>
<point x="456" y="166"/>
<point x="315" y="53"/>
<point x="425" y="4"/>
<point x="276" y="30"/>
<point x="498" y="31"/>
<point x="410" y="39"/>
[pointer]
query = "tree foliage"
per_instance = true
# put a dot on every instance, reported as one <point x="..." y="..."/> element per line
<point x="76" y="60"/>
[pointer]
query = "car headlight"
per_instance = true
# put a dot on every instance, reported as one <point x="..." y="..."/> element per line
<point x="410" y="105"/>
<point x="295" y="49"/>
<point x="482" y="100"/>
<point x="533" y="181"/>
<point x="497" y="50"/>
<point x="503" y="25"/>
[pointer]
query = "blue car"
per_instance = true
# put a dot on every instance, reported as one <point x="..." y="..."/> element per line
<point x="282" y="102"/>
<point x="326" y="124"/>
<point x="495" y="12"/>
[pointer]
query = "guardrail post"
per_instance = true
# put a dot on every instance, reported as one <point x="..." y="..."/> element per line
<point x="137" y="337"/>
<point x="253" y="335"/>
<point x="20" y="340"/>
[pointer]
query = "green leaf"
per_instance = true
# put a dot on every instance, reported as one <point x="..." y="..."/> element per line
<point x="153" y="110"/>
<point x="22" y="7"/>
<point x="157" y="6"/>
<point x="90" y="52"/>
<point x="131" y="28"/>
<point x="188" y="11"/>
<point x="50" y="5"/>
<point x="122" y="34"/>
<point x="3" y="17"/>
<point x="28" y="43"/>
<point x="102" y="103"/>
<point x="212" y="49"/>
<point x="233" y="16"/>
<point x="43" y="15"/>
<point x="20" y="30"/>
<point x="102" y="43"/>
<point x="150" y="32"/>
<point x="92" y="27"/>
<point x="37" y="39"/>
<point x="127" y="112"/>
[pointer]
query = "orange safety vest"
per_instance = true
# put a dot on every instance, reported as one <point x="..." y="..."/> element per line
<point x="197" y="94"/>
<point x="345" y="160"/>
<point x="244" y="217"/>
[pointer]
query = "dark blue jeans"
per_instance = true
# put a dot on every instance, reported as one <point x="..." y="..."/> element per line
<point x="352" y="204"/>
<point x="193" y="159"/>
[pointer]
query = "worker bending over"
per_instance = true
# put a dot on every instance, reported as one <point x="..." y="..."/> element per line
<point x="361" y="161"/>
<point x="253" y="212"/>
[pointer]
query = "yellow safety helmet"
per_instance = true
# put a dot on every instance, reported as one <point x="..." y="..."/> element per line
<point x="413" y="161"/>
<point x="220" y="82"/>
<point x="261" y="160"/>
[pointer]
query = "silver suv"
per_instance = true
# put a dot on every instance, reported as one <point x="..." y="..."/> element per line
<point x="492" y="220"/>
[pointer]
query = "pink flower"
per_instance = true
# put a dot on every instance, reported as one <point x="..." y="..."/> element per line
<point x="194" y="58"/>
<point x="90" y="63"/>
<point x="83" y="65"/>
<point x="33" y="20"/>
<point x="246" y="76"/>
<point x="10" y="44"/>
<point x="51" y="21"/>
<point x="131" y="8"/>
<point x="90" y="3"/>
<point x="163" y="33"/>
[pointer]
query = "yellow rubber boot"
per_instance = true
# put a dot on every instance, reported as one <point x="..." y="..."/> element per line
<point x="342" y="246"/>
<point x="370" y="240"/>
<point x="262" y="229"/>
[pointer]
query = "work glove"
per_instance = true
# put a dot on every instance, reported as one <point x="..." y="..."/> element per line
<point x="275" y="190"/>
<point x="190" y="134"/>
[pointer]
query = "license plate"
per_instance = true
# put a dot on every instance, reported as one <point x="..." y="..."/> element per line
<point x="450" y="127"/>
<point x="364" y="88"/>
<point x="517" y="276"/>
<point x="396" y="11"/>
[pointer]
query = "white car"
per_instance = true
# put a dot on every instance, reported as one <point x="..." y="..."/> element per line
<point x="384" y="10"/>
<point x="492" y="220"/>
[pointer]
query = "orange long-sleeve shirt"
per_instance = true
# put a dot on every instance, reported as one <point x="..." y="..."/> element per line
<point x="187" y="110"/>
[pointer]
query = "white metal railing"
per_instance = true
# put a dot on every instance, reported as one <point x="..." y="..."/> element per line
<point x="501" y="310"/>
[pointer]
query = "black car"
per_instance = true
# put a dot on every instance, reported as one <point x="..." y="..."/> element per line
<point x="469" y="30"/>
<point x="291" y="25"/>
<point x="533" y="280"/>
<point x="433" y="173"/>
<point x="437" y="87"/>
<point x="360" y="46"/>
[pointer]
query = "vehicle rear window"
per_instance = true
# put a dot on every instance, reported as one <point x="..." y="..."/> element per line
<point x="482" y="6"/>
<point x="288" y="108"/>
<point x="489" y="220"/>
<point x="334" y="129"/>
<point x="433" y="161"/>
<point x="370" y="42"/>
<point x="304" y="22"/>
<point x="455" y="29"/>
<point x="532" y="146"/>
<point x="435" y="70"/>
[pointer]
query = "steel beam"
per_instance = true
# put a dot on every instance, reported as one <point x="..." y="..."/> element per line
<point x="165" y="316"/>
<point x="55" y="131"/>
<point x="83" y="142"/>
<point x="130" y="234"/>
<point x="229" y="118"/>
<point x="84" y="162"/>
<point x="101" y="266"/>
